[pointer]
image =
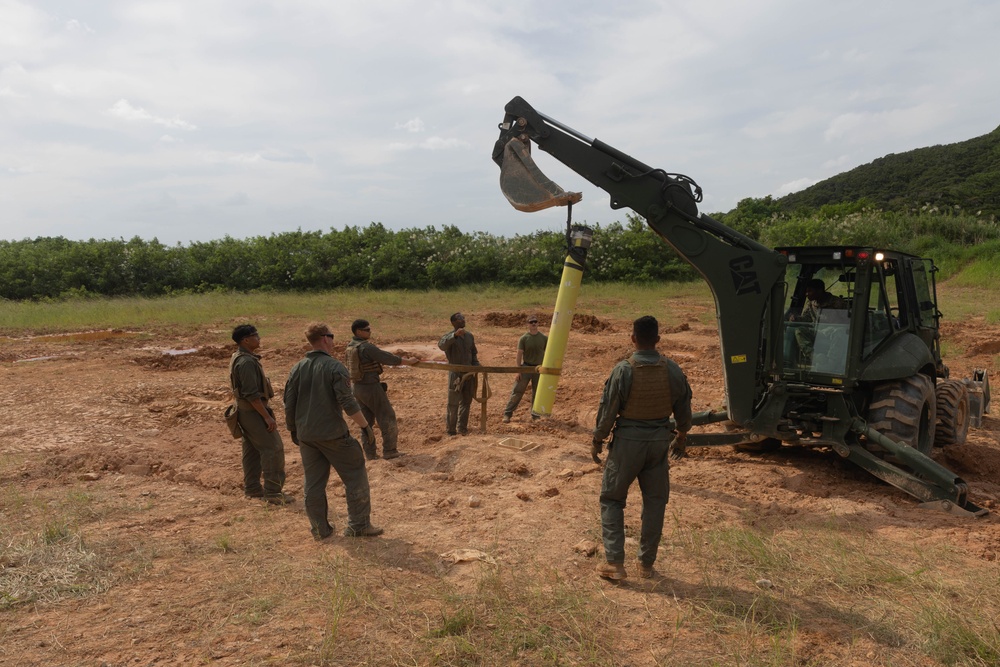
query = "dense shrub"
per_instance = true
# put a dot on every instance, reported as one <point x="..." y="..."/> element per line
<point x="379" y="258"/>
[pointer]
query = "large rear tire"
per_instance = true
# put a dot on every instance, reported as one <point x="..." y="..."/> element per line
<point x="953" y="414"/>
<point x="904" y="410"/>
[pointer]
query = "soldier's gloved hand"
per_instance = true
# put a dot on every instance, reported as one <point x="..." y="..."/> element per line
<point x="295" y="438"/>
<point x="678" y="448"/>
<point x="596" y="447"/>
<point x="369" y="434"/>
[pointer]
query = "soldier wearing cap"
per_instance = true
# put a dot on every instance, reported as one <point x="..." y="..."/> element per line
<point x="370" y="391"/>
<point x="263" y="451"/>
<point x="530" y="352"/>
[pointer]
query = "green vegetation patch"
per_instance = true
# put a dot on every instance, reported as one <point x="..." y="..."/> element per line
<point x="55" y="564"/>
<point x="523" y="619"/>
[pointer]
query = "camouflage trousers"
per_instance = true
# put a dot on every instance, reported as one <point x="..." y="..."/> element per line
<point x="377" y="409"/>
<point x="345" y="457"/>
<point x="628" y="460"/>
<point x="460" y="396"/>
<point x="263" y="454"/>
<point x="520" y="386"/>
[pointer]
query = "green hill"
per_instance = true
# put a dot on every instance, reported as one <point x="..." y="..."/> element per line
<point x="965" y="175"/>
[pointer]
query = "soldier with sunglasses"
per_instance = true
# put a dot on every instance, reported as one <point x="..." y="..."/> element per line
<point x="365" y="361"/>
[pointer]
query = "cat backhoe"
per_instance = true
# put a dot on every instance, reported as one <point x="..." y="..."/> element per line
<point x="862" y="376"/>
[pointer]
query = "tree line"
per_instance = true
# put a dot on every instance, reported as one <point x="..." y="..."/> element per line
<point x="375" y="257"/>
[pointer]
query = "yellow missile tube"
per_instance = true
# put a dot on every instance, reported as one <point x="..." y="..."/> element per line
<point x="562" y="320"/>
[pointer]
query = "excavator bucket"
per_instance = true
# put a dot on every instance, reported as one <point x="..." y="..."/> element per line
<point x="525" y="186"/>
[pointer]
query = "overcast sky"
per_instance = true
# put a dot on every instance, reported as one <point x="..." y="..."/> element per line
<point x="189" y="121"/>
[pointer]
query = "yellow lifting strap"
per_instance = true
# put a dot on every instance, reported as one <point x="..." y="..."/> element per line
<point x="469" y="372"/>
<point x="463" y="368"/>
<point x="485" y="392"/>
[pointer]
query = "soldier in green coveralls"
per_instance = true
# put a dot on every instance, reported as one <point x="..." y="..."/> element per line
<point x="317" y="395"/>
<point x="638" y="399"/>
<point x="263" y="451"/>
<point x="530" y="352"/>
<point x="459" y="346"/>
<point x="366" y="367"/>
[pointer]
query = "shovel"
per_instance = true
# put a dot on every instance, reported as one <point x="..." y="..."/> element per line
<point x="525" y="186"/>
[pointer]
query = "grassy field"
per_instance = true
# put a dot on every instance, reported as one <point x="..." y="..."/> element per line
<point x="959" y="299"/>
<point x="220" y="309"/>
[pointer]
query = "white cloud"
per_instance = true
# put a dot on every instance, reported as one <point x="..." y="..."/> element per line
<point x="14" y="81"/>
<point x="146" y="117"/>
<point x="444" y="144"/>
<point x="783" y="123"/>
<point x="865" y="127"/>
<point x="163" y="202"/>
<point x="432" y="144"/>
<point x="839" y="162"/>
<point x="214" y="157"/>
<point x="412" y="125"/>
<point x="21" y="25"/>
<point x="794" y="186"/>
<point x="287" y="155"/>
<point x="122" y="109"/>
<point x="855" y="56"/>
<point x="78" y="26"/>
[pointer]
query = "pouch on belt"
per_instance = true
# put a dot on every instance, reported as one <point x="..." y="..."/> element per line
<point x="232" y="422"/>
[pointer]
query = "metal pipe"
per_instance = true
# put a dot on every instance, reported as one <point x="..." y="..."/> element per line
<point x="562" y="321"/>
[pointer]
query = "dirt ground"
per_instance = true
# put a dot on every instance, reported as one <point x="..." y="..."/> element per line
<point x="137" y="417"/>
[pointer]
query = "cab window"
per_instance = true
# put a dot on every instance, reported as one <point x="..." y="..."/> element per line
<point x="880" y="316"/>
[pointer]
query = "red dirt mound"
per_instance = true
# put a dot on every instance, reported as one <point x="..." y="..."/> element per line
<point x="581" y="321"/>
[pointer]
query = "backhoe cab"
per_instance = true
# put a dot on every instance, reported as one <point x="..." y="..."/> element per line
<point x="832" y="347"/>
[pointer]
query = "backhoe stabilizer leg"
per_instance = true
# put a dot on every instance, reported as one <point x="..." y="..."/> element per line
<point x="525" y="186"/>
<point x="970" y="511"/>
<point x="939" y="489"/>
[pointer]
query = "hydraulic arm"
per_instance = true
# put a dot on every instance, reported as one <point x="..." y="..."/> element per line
<point x="747" y="280"/>
<point x="744" y="275"/>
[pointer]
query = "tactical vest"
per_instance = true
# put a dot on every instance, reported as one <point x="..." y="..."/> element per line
<point x="355" y="367"/>
<point x="650" y="396"/>
<point x="265" y="382"/>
